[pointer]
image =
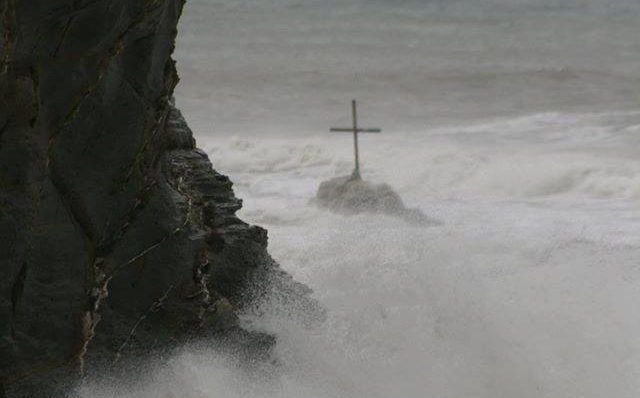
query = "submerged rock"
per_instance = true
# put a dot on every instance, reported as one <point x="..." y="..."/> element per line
<point x="352" y="195"/>
<point x="117" y="238"/>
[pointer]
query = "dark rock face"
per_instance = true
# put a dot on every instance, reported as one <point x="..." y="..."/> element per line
<point x="352" y="195"/>
<point x="117" y="238"/>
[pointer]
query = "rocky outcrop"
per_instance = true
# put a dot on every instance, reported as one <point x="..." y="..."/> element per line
<point x="352" y="195"/>
<point x="117" y="238"/>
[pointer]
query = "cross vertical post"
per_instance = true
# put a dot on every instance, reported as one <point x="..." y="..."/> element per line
<point x="354" y="115"/>
<point x="355" y="130"/>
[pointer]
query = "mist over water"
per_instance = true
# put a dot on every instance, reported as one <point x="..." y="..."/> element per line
<point x="515" y="123"/>
<point x="291" y="66"/>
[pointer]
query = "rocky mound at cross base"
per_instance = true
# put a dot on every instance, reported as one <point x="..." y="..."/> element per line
<point x="352" y="195"/>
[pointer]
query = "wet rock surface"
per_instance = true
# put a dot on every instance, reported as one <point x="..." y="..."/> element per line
<point x="117" y="237"/>
<point x="352" y="195"/>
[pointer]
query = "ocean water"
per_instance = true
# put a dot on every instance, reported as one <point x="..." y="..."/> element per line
<point x="516" y="123"/>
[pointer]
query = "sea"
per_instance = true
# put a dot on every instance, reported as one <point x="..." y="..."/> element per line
<point x="514" y="123"/>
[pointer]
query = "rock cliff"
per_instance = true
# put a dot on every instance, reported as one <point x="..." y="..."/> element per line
<point x="117" y="238"/>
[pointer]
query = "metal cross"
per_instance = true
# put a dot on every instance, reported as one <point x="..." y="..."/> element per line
<point x="355" y="130"/>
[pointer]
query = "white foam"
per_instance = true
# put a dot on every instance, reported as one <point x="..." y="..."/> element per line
<point x="528" y="289"/>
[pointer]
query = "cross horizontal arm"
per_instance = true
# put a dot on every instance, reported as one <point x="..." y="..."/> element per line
<point x="350" y="130"/>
